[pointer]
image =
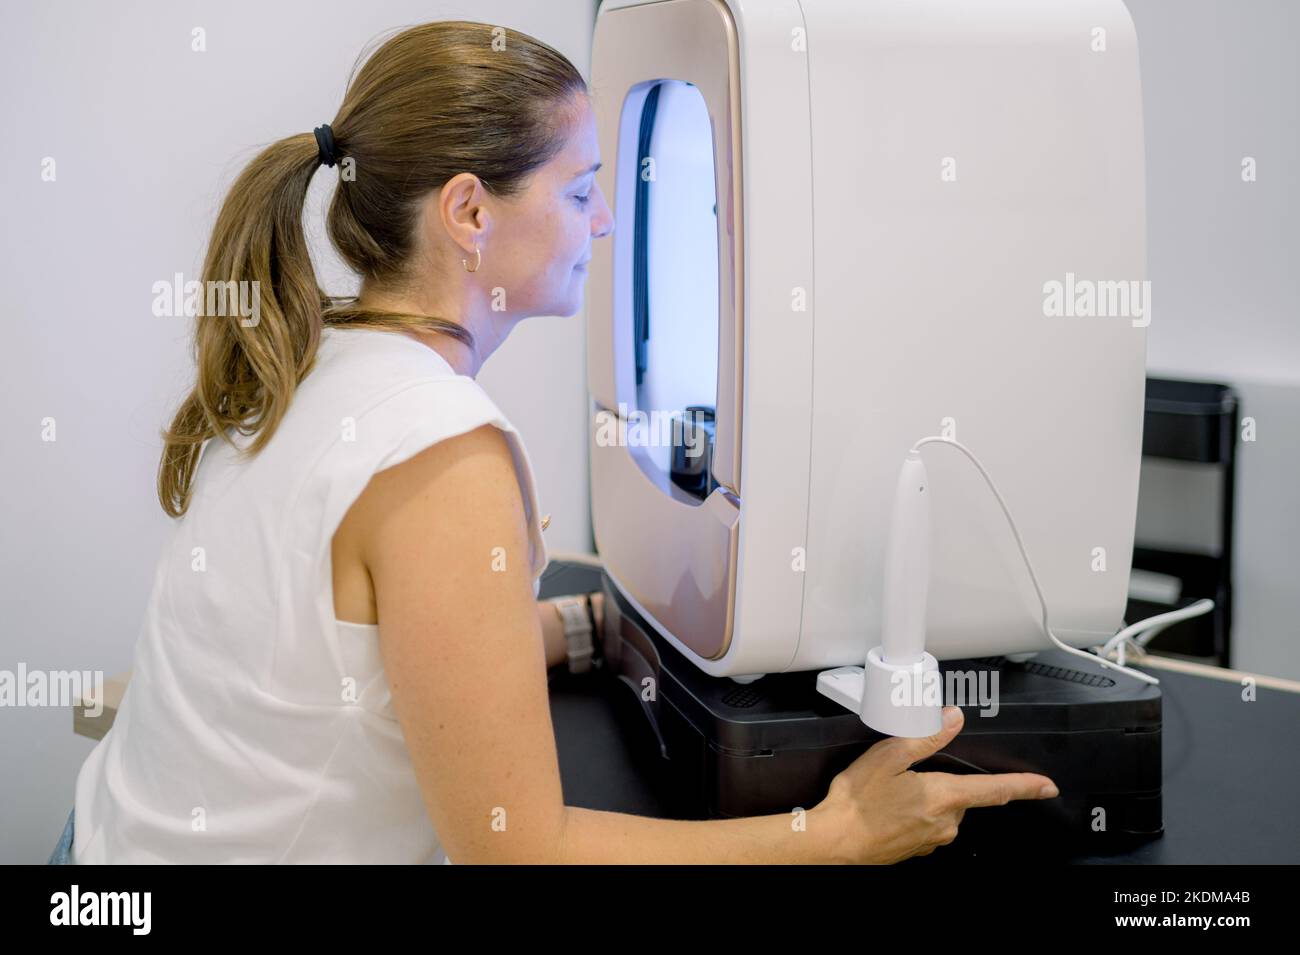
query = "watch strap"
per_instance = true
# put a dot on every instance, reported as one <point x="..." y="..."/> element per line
<point x="578" y="632"/>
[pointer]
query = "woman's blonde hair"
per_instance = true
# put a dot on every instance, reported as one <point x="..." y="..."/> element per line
<point x="431" y="102"/>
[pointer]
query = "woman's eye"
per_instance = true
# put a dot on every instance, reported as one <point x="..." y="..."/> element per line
<point x="582" y="200"/>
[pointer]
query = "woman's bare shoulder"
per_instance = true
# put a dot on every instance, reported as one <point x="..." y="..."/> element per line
<point x="460" y="489"/>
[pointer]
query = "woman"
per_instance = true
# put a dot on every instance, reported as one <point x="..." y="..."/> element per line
<point x="343" y="658"/>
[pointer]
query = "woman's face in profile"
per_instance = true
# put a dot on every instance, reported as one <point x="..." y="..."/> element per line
<point x="542" y="247"/>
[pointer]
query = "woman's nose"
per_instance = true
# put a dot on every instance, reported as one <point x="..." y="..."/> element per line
<point x="603" y="224"/>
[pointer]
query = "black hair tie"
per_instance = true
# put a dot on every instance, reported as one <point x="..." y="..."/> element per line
<point x="325" y="144"/>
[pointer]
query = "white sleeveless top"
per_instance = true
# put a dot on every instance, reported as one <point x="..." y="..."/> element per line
<point x="256" y="727"/>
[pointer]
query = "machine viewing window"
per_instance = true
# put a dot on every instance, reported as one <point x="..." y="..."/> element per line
<point x="675" y="278"/>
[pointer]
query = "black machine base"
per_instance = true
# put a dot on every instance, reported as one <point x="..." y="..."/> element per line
<point x="731" y="750"/>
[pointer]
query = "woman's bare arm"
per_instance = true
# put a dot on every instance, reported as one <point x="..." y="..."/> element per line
<point x="444" y="540"/>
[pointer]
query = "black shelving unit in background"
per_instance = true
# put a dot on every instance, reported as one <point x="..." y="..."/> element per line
<point x="1194" y="422"/>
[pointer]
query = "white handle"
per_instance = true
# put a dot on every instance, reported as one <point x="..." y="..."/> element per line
<point x="907" y="566"/>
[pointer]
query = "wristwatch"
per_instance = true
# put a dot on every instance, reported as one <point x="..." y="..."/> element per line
<point x="579" y="631"/>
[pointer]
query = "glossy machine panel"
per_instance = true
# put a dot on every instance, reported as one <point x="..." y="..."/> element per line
<point x="898" y="184"/>
<point x="683" y="561"/>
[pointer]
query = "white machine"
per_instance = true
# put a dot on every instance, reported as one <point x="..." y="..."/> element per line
<point x="843" y="226"/>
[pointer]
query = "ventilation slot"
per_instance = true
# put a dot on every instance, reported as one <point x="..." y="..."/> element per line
<point x="1070" y="676"/>
<point x="742" y="697"/>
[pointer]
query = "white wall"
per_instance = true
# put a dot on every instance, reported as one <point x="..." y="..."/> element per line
<point x="147" y="136"/>
<point x="1219" y="83"/>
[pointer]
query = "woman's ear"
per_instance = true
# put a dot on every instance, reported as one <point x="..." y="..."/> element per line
<point x="462" y="212"/>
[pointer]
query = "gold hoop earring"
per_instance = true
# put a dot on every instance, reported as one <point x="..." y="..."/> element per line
<point x="478" y="260"/>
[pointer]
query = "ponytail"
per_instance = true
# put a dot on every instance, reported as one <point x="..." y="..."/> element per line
<point x="247" y="374"/>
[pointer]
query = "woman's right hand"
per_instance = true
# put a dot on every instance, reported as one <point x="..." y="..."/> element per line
<point x="880" y="811"/>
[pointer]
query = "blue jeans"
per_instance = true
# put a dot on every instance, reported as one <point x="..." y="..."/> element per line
<point x="64" y="849"/>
